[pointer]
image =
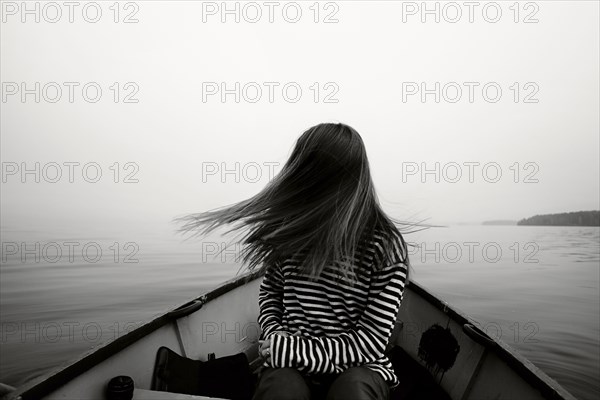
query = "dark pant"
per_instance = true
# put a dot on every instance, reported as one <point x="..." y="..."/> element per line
<point x="357" y="383"/>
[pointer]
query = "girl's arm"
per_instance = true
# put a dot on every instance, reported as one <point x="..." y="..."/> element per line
<point x="364" y="344"/>
<point x="270" y="302"/>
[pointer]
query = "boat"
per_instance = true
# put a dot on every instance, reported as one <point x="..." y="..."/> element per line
<point x="437" y="351"/>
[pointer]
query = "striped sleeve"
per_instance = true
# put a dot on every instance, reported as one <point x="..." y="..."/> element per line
<point x="364" y="344"/>
<point x="270" y="302"/>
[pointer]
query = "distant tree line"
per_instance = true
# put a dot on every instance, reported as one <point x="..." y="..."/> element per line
<point x="578" y="218"/>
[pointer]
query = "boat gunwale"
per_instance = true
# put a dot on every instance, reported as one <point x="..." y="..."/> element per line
<point x="57" y="377"/>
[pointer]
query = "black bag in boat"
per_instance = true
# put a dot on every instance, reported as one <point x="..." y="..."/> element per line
<point x="226" y="377"/>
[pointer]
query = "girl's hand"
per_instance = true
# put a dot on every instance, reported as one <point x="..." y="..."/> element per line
<point x="264" y="349"/>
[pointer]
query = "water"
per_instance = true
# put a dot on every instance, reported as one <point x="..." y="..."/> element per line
<point x="536" y="288"/>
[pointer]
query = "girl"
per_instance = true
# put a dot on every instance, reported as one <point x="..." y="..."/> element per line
<point x="335" y="270"/>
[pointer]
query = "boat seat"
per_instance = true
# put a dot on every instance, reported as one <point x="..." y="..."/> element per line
<point x="142" y="394"/>
<point x="416" y="382"/>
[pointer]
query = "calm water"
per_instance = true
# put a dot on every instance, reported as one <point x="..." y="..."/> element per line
<point x="536" y="288"/>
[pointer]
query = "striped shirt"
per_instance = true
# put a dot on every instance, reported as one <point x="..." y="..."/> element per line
<point x="336" y="325"/>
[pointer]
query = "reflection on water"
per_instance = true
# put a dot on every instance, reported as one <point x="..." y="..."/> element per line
<point x="536" y="288"/>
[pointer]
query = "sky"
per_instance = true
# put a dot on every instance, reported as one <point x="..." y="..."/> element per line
<point x="151" y="110"/>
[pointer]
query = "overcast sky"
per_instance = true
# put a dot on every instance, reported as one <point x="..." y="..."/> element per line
<point x="520" y="99"/>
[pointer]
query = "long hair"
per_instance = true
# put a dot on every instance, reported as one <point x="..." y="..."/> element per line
<point x="320" y="207"/>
